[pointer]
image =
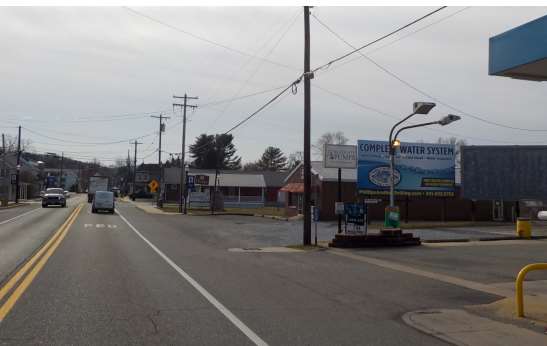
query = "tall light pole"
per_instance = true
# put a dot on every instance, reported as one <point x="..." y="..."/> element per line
<point x="396" y="143"/>
<point x="418" y="108"/>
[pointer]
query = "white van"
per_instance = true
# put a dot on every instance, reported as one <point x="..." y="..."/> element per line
<point x="103" y="200"/>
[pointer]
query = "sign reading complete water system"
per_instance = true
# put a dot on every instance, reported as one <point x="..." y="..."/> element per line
<point x="421" y="169"/>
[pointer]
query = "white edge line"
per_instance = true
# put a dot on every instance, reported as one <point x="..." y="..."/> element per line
<point x="227" y="313"/>
<point x="20" y="215"/>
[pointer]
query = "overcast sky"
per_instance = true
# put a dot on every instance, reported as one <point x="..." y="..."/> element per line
<point x="94" y="74"/>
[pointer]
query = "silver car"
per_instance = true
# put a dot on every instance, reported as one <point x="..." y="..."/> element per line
<point x="103" y="200"/>
<point x="53" y="196"/>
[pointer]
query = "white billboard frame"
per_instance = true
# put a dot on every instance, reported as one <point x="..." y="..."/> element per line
<point x="332" y="156"/>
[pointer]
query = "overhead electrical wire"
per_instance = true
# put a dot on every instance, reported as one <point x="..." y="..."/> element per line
<point x="442" y="19"/>
<point x="355" y="50"/>
<point x="257" y="68"/>
<point x="413" y="87"/>
<point x="226" y="47"/>
<point x="385" y="114"/>
<point x="87" y="143"/>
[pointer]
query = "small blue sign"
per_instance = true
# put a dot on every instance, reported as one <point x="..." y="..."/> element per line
<point x="355" y="213"/>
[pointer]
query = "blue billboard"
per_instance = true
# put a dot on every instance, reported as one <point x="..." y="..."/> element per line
<point x="421" y="169"/>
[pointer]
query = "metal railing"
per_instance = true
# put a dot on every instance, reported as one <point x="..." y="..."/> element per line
<point x="519" y="299"/>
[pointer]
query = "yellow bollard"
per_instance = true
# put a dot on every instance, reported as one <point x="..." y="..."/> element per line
<point x="519" y="300"/>
<point x="524" y="228"/>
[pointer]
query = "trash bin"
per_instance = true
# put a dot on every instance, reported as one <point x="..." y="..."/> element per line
<point x="524" y="227"/>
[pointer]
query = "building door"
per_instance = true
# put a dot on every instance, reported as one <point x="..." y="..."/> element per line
<point x="497" y="210"/>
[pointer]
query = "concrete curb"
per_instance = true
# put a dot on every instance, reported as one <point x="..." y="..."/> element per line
<point x="459" y="327"/>
<point x="14" y="206"/>
<point x="465" y="240"/>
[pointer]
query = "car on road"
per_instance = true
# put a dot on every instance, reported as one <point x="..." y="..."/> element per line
<point x="103" y="200"/>
<point x="53" y="196"/>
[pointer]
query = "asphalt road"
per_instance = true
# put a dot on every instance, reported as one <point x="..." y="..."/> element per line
<point x="172" y="280"/>
<point x="23" y="229"/>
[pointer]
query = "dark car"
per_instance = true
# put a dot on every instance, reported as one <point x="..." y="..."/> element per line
<point x="54" y="196"/>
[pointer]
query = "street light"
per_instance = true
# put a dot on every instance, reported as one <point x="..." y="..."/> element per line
<point x="418" y="108"/>
<point x="396" y="143"/>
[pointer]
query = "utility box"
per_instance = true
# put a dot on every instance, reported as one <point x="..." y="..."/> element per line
<point x="392" y="217"/>
<point x="524" y="228"/>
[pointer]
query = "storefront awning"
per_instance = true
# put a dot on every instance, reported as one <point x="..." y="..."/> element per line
<point x="293" y="187"/>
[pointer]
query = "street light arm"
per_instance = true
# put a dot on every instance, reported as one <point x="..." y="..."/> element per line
<point x="393" y="129"/>
<point x="414" y="126"/>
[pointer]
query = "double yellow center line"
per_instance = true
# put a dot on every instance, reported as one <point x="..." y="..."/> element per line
<point x="34" y="264"/>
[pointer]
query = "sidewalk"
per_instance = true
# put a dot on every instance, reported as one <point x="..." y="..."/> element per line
<point x="148" y="206"/>
<point x="461" y="327"/>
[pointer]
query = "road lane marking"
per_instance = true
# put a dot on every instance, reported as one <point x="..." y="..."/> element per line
<point x="227" y="313"/>
<point x="477" y="286"/>
<point x="20" y="215"/>
<point x="15" y="278"/>
<point x="51" y="247"/>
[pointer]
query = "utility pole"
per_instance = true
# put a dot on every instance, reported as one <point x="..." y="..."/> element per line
<point x="18" y="167"/>
<point x="134" y="167"/>
<point x="4" y="191"/>
<point x="183" y="187"/>
<point x="307" y="120"/>
<point x="162" y="128"/>
<point x="61" y="184"/>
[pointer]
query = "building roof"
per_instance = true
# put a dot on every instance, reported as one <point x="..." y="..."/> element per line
<point x="226" y="178"/>
<point x="520" y="52"/>
<point x="293" y="187"/>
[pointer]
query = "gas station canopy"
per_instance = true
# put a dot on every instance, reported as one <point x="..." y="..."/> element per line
<point x="520" y="52"/>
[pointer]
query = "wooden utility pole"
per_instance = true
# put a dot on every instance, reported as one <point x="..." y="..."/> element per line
<point x="4" y="189"/>
<point x="162" y="129"/>
<point x="307" y="120"/>
<point x="18" y="167"/>
<point x="61" y="184"/>
<point x="134" y="168"/>
<point x="183" y="187"/>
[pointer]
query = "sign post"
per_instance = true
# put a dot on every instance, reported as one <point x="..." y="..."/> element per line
<point x="340" y="156"/>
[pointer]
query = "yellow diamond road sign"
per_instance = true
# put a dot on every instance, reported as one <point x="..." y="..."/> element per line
<point x="153" y="185"/>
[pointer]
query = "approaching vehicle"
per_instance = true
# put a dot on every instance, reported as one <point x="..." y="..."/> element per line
<point x="66" y="193"/>
<point x="53" y="196"/>
<point x="96" y="183"/>
<point x="103" y="200"/>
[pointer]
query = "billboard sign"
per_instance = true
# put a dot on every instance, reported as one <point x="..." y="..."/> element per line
<point x="340" y="156"/>
<point x="142" y="177"/>
<point x="421" y="169"/>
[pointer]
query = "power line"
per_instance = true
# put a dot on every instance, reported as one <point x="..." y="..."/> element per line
<point x="238" y="124"/>
<point x="231" y="49"/>
<point x="378" y="39"/>
<point x="413" y="87"/>
<point x="360" y="105"/>
<point x="87" y="143"/>
<point x="244" y="84"/>
<point x="213" y="103"/>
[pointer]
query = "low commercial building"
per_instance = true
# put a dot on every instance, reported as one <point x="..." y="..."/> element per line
<point x="324" y="193"/>
<point x="238" y="188"/>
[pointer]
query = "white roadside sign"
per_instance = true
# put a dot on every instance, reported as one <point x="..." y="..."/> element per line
<point x="340" y="156"/>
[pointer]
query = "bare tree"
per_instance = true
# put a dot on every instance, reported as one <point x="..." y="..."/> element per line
<point x="458" y="143"/>
<point x="328" y="138"/>
<point x="294" y="159"/>
<point x="11" y="144"/>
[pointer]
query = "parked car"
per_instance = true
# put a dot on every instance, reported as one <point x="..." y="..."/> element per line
<point x="53" y="196"/>
<point x="103" y="200"/>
